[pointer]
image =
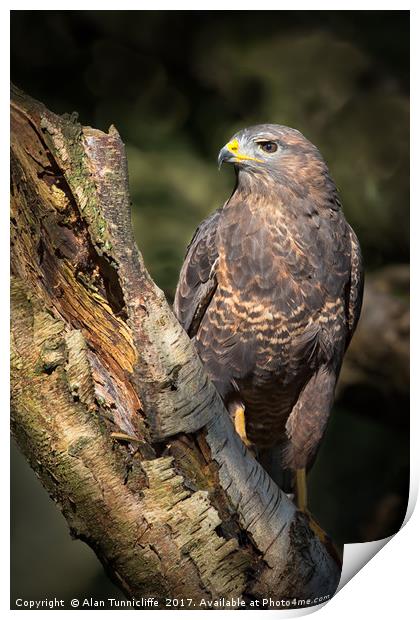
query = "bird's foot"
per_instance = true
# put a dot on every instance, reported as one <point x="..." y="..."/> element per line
<point x="323" y="537"/>
<point x="302" y="505"/>
<point x="240" y="425"/>
<point x="316" y="528"/>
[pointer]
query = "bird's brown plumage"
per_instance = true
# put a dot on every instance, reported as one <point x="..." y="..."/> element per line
<point x="271" y="291"/>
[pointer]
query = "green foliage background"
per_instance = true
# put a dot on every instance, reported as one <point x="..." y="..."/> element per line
<point x="177" y="85"/>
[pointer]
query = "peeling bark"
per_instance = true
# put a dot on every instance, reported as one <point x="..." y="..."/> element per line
<point x="111" y="405"/>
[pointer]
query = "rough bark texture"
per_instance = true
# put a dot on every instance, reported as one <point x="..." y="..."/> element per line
<point x="110" y="403"/>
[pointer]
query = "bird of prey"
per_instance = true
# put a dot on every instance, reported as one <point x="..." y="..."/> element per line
<point x="270" y="292"/>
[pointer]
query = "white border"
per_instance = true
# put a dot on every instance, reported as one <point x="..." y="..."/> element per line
<point x="387" y="586"/>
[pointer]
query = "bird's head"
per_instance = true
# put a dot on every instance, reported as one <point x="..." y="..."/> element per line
<point x="274" y="152"/>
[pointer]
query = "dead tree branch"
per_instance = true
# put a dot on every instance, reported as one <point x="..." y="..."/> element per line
<point x="110" y="403"/>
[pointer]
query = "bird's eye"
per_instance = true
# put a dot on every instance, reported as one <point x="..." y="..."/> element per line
<point x="268" y="147"/>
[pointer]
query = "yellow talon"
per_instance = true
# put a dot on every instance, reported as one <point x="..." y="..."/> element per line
<point x="317" y="529"/>
<point x="240" y="425"/>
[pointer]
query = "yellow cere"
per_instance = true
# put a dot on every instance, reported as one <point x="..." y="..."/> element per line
<point x="233" y="147"/>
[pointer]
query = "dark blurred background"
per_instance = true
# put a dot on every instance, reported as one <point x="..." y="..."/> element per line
<point x="177" y="85"/>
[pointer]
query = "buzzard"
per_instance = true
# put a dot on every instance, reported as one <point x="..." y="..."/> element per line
<point x="270" y="292"/>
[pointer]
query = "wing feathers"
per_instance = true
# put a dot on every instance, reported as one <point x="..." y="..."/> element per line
<point x="355" y="294"/>
<point x="197" y="281"/>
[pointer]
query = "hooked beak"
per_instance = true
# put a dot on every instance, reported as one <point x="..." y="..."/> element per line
<point x="225" y="155"/>
<point x="230" y="154"/>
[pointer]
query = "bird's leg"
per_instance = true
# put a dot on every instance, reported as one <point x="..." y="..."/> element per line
<point x="240" y="424"/>
<point x="302" y="503"/>
<point x="237" y="411"/>
<point x="305" y="428"/>
<point x="301" y="490"/>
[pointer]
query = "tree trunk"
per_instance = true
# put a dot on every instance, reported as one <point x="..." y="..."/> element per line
<point x="110" y="403"/>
